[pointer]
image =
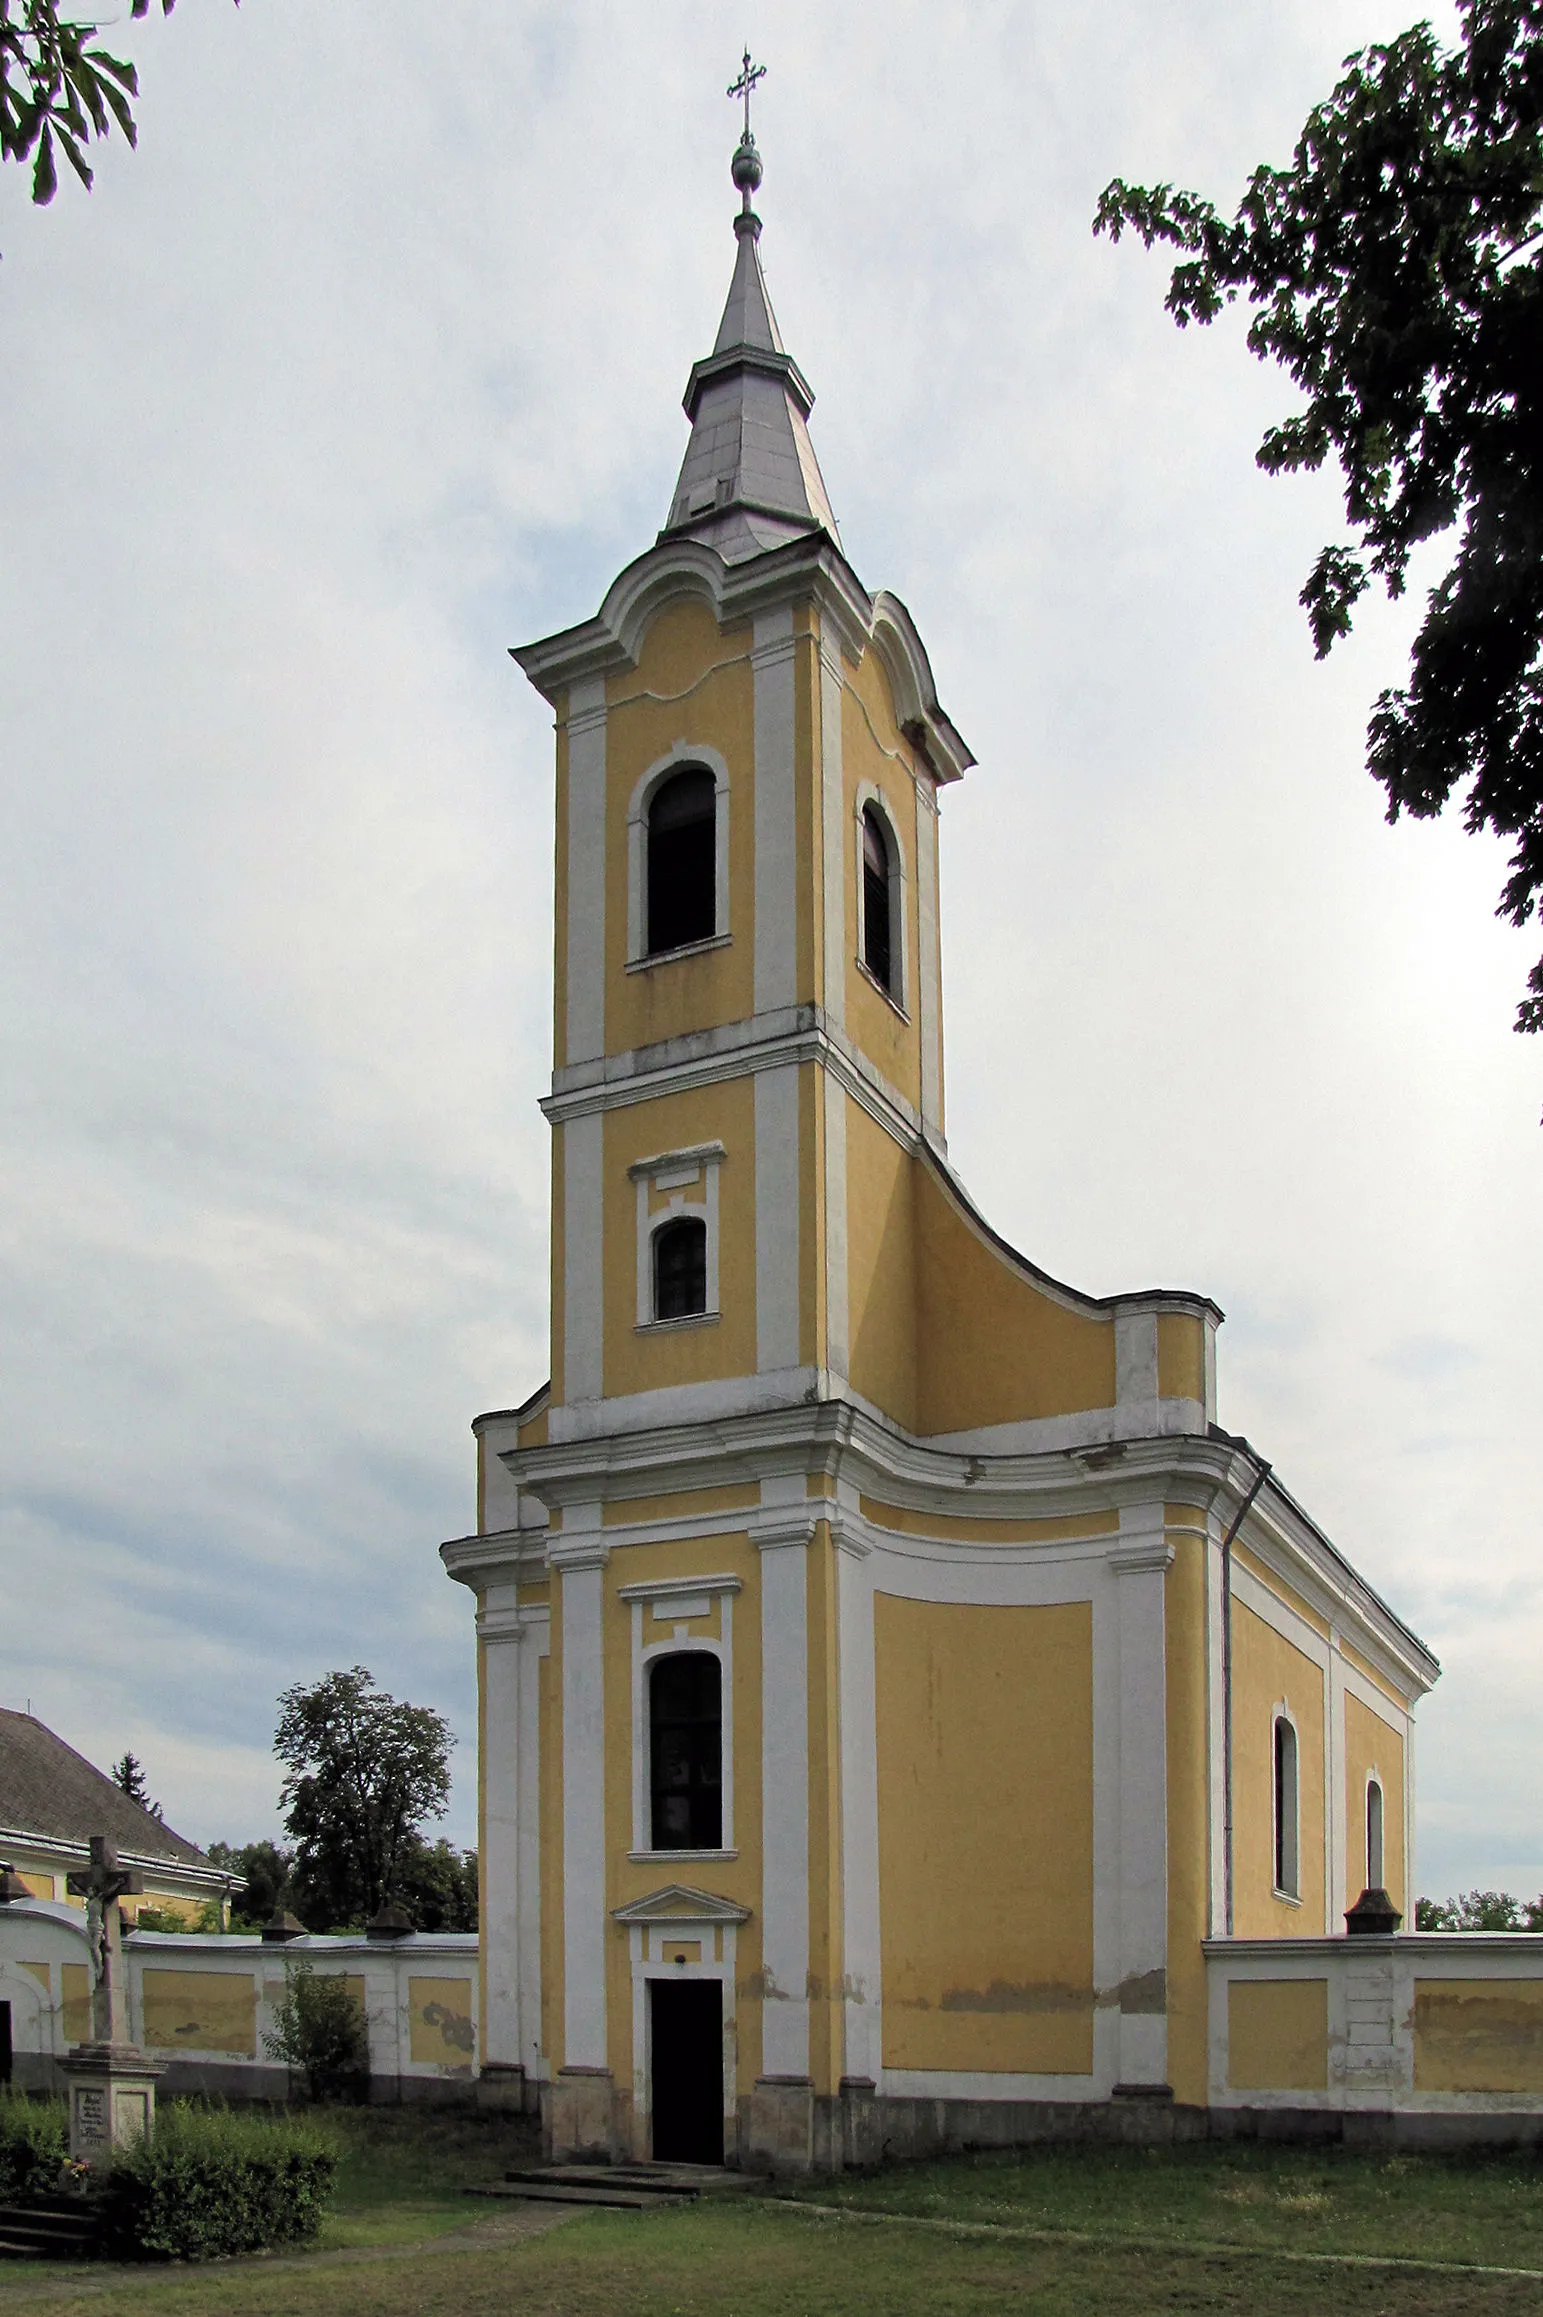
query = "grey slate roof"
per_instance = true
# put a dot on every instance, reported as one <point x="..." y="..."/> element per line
<point x="750" y="480"/>
<point x="47" y="1789"/>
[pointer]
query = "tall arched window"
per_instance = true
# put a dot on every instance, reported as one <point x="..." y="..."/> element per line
<point x="685" y="1751"/>
<point x="878" y="926"/>
<point x="1374" y="1880"/>
<point x="682" y="860"/>
<point x="1285" y="1807"/>
<point x="680" y="1268"/>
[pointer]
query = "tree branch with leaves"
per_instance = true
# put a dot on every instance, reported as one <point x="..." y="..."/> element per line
<point x="57" y="91"/>
<point x="1396" y="269"/>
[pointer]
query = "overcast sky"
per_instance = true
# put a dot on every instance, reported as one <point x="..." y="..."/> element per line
<point x="367" y="365"/>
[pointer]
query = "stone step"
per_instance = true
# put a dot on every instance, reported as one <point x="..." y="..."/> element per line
<point x="58" y="2230"/>
<point x="616" y="2197"/>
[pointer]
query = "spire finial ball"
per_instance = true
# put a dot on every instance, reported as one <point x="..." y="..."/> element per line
<point x="745" y="168"/>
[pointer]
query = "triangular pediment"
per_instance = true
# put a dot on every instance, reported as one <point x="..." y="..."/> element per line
<point x="679" y="1903"/>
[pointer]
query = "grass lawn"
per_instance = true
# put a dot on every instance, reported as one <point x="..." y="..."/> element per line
<point x="747" y="2259"/>
<point x="404" y="2171"/>
<point x="1487" y="2209"/>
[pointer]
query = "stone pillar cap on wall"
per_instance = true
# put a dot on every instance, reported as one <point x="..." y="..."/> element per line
<point x="282" y="1926"/>
<point x="392" y="1922"/>
<point x="1373" y="1916"/>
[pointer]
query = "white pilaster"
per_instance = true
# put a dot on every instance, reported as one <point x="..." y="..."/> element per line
<point x="833" y="827"/>
<point x="1140" y="1564"/>
<point x="586" y="872"/>
<point x="500" y="1632"/>
<point x="776" y="858"/>
<point x="859" y="1798"/>
<point x="579" y="1557"/>
<point x="836" y="1301"/>
<point x="583" y="1263"/>
<point x="929" y="980"/>
<point x="1341" y="1836"/>
<point x="783" y="1538"/>
<point x="776" y="1220"/>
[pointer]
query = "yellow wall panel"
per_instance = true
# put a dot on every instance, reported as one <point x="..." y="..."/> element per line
<point x="1266" y="1671"/>
<point x="874" y="750"/>
<point x="684" y="1504"/>
<point x="1180" y="1356"/>
<point x="992" y="1347"/>
<point x="202" y="2011"/>
<point x="881" y="1279"/>
<point x="75" y="1988"/>
<point x="440" y="2032"/>
<point x="985" y="1760"/>
<point x="905" y="1522"/>
<point x="645" y="1361"/>
<point x="1478" y="2035"/>
<point x="1372" y="1746"/>
<point x="1278" y="2035"/>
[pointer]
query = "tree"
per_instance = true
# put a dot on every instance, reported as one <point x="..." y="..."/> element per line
<point x="55" y="88"/>
<point x="1479" y="1911"/>
<point x="364" y="1772"/>
<point x="1397" y="273"/>
<point x="437" y="1884"/>
<point x="129" y="1775"/>
<point x="320" y="2027"/>
<point x="265" y="1872"/>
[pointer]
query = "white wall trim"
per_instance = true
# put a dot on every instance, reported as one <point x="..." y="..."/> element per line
<point x="777" y="1251"/>
<point x="773" y="659"/>
<point x="583" y="1259"/>
<point x="671" y="1602"/>
<point x="583" y="1870"/>
<point x="585" y="1025"/>
<point x="833" y="828"/>
<point x="689" y="1178"/>
<point x="784" y="1779"/>
<point x="868" y="793"/>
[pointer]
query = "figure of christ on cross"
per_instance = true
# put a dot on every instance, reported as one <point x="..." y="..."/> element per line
<point x="103" y="1884"/>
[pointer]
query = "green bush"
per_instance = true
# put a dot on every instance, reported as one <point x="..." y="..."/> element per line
<point x="321" y="2028"/>
<point x="34" y="2141"/>
<point x="210" y="2182"/>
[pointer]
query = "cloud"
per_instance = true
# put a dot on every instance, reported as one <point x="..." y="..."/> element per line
<point x="366" y="365"/>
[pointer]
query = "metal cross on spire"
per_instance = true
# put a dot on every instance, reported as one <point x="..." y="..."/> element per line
<point x="749" y="75"/>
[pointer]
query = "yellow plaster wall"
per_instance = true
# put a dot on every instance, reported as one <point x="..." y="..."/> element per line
<point x="1277" y="2035"/>
<point x="694" y="685"/>
<point x="37" y="1971"/>
<point x="827" y="2018"/>
<point x="985" y="1779"/>
<point x="643" y="1362"/>
<point x="440" y="2032"/>
<point x="873" y="749"/>
<point x="203" y="2011"/>
<point x="41" y="1886"/>
<point x="1180" y="1356"/>
<point x="881" y="1282"/>
<point x="1188" y="1816"/>
<point x="905" y="1522"/>
<point x="1267" y="1671"/>
<point x="738" y="1878"/>
<point x="1478" y="2035"/>
<point x="991" y="1346"/>
<point x="75" y="1991"/>
<point x="1372" y="1746"/>
<point x="685" y="1504"/>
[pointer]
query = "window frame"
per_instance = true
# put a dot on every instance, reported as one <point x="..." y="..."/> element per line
<point x="897" y="991"/>
<point x="653" y="1660"/>
<point x="689" y="1181"/>
<point x="685" y="756"/>
<point x="1374" y="1786"/>
<point x="671" y="1607"/>
<point x="1285" y="1811"/>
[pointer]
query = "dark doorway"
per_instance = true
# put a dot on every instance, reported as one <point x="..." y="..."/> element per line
<point x="687" y="2027"/>
<point x="5" y="2043"/>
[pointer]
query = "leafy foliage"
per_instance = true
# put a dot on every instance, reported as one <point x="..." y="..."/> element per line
<point x="1397" y="272"/>
<point x="320" y="2027"/>
<point x="1479" y="1911"/>
<point x="210" y="2183"/>
<point x="129" y="1774"/>
<point x="34" y="2141"/>
<point x="155" y="1918"/>
<point x="437" y="1884"/>
<point x="56" y="88"/>
<point x="266" y="1873"/>
<point x="364" y="1771"/>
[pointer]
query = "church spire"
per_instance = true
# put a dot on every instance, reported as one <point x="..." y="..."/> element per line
<point x="750" y="480"/>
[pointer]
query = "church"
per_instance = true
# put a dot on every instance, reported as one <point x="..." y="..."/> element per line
<point x="896" y="1687"/>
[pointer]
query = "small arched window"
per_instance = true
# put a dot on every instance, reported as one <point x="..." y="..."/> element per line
<point x="680" y="1268"/>
<point x="682" y="861"/>
<point x="878" y="926"/>
<point x="1374" y="1881"/>
<point x="1285" y="1807"/>
<point x="685" y="1751"/>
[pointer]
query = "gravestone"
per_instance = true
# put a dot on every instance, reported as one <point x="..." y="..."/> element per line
<point x="111" y="2081"/>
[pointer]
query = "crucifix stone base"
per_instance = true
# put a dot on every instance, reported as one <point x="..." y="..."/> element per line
<point x="111" y="2090"/>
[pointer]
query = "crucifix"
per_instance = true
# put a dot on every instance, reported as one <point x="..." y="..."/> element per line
<point x="103" y="1884"/>
<point x="749" y="75"/>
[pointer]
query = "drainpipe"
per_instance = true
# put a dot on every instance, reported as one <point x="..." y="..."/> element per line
<point x="1261" y="1475"/>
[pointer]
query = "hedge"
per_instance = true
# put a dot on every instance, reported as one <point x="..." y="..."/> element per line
<point x="34" y="2141"/>
<point x="210" y="2182"/>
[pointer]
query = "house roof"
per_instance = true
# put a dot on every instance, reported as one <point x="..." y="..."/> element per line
<point x="48" y="1790"/>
